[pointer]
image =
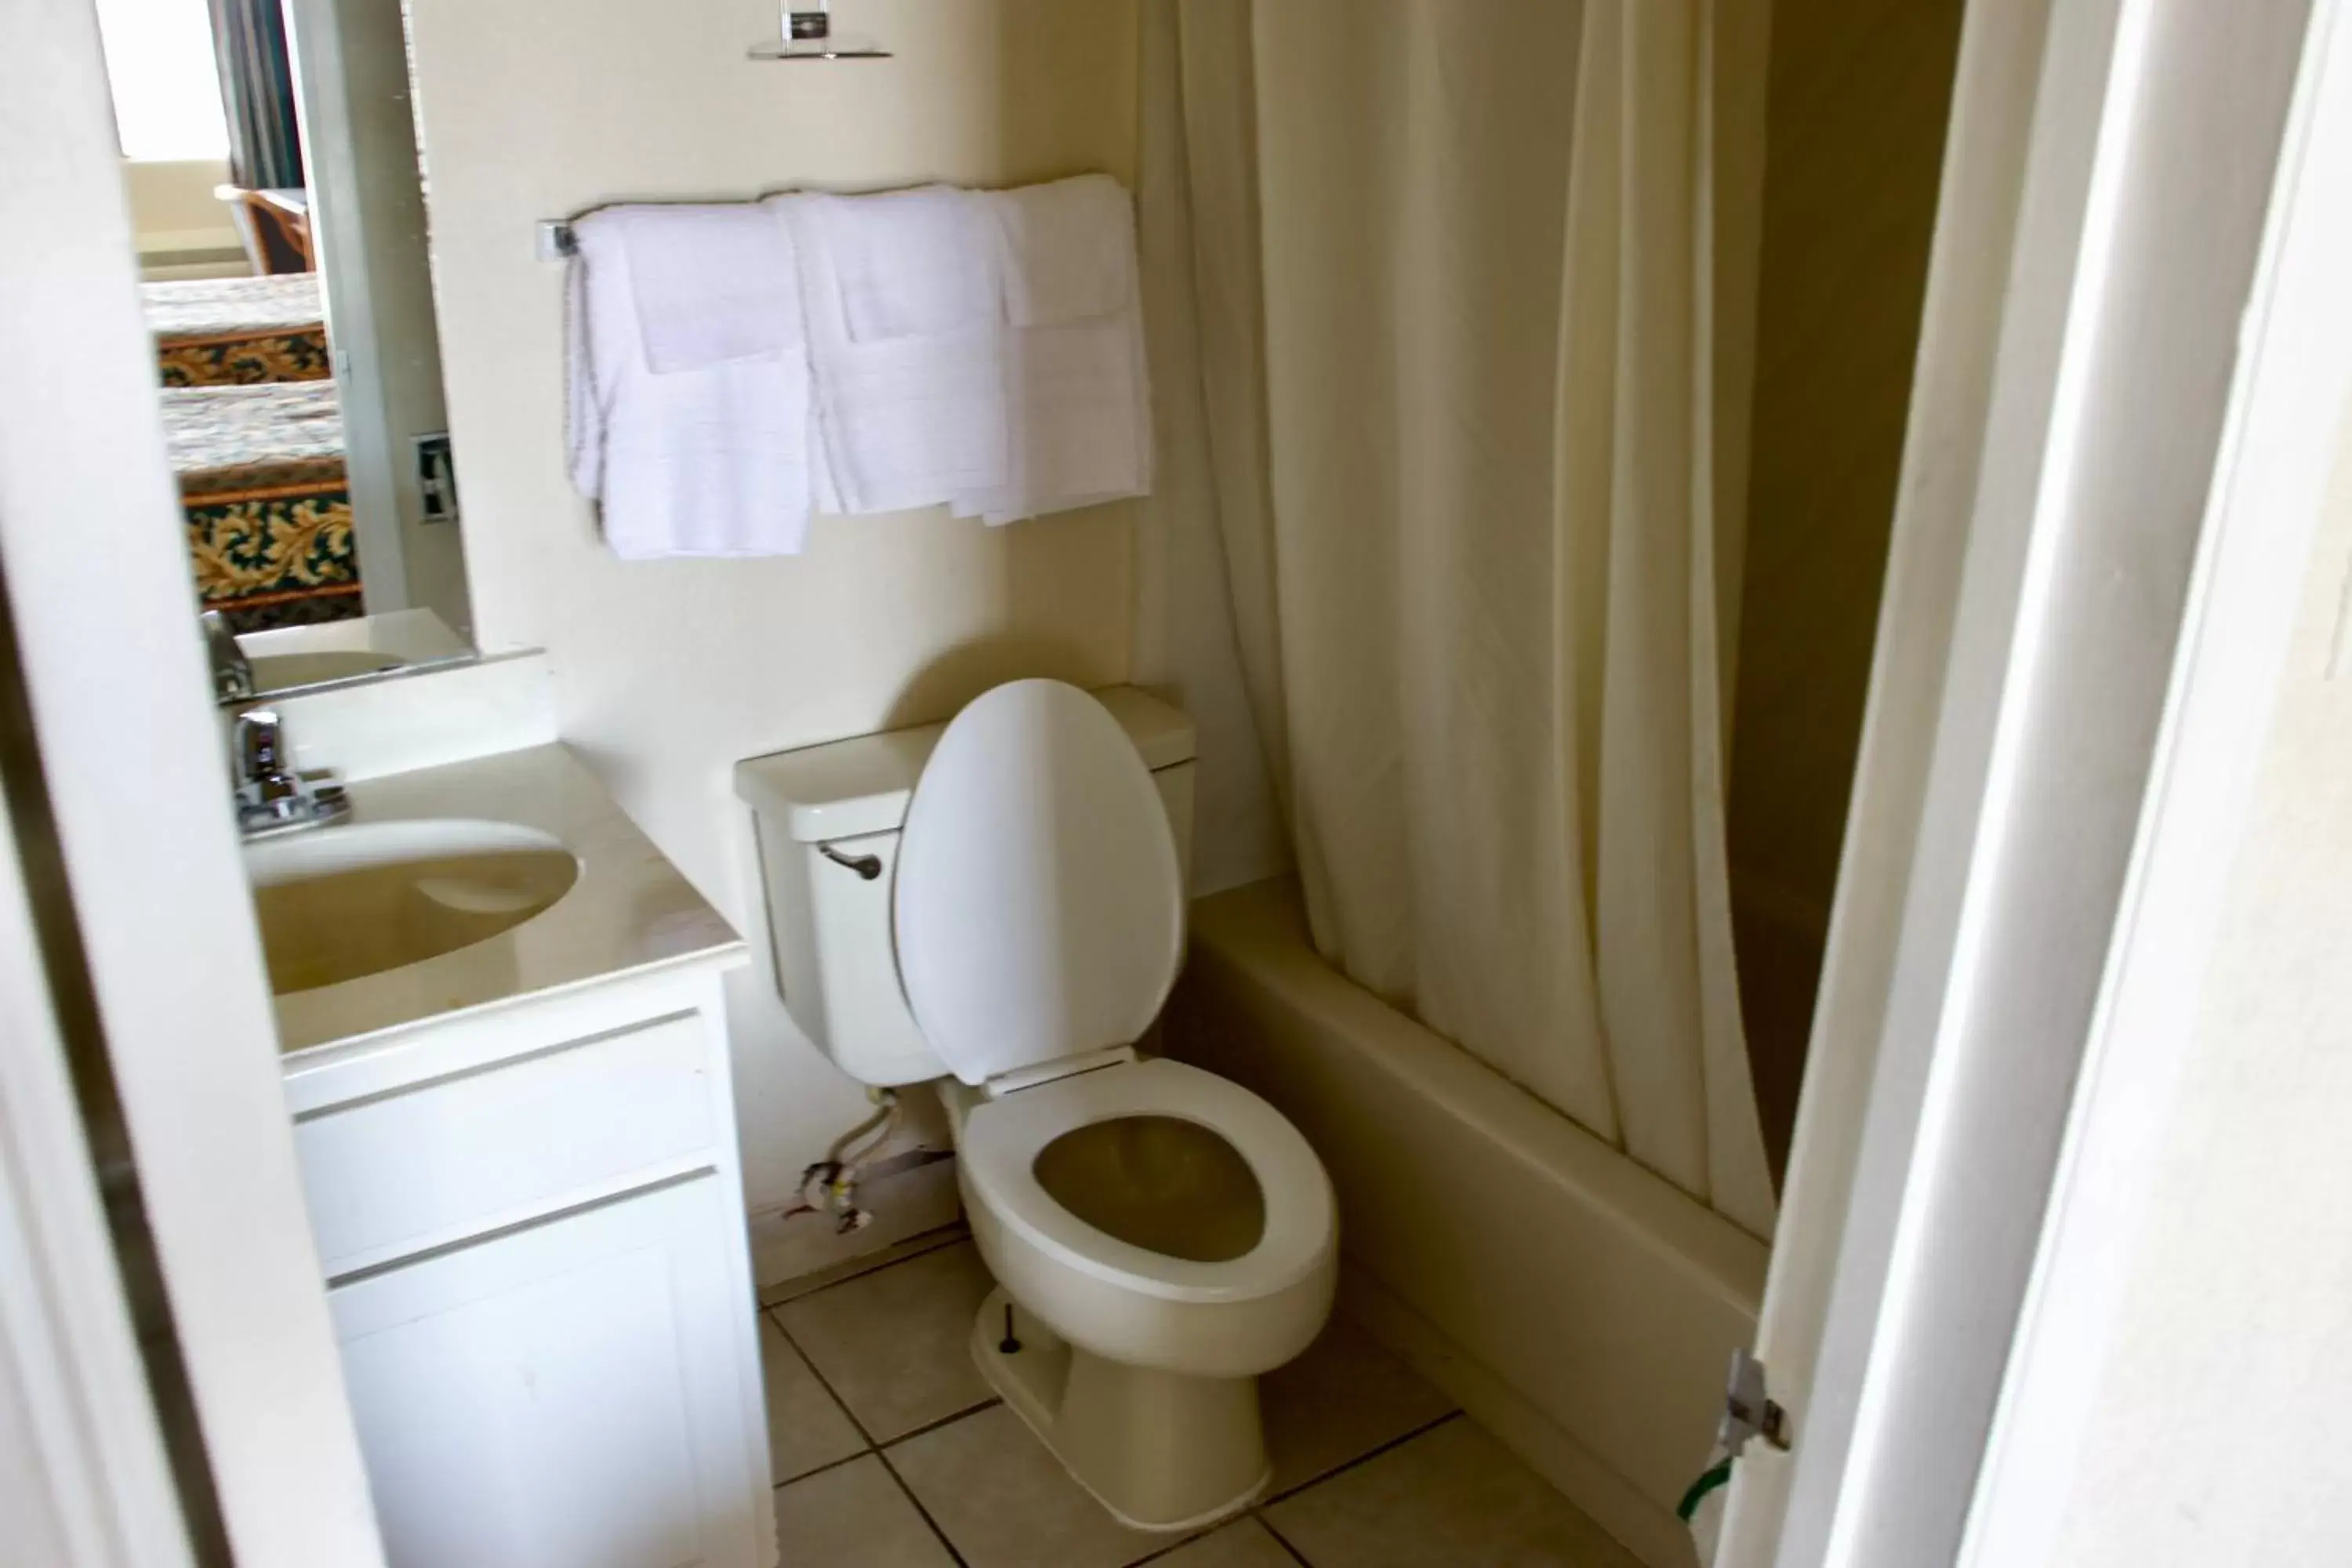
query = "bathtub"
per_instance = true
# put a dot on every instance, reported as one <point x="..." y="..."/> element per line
<point x="1578" y="1307"/>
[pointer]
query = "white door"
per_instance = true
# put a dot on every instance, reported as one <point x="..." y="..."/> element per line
<point x="566" y="1395"/>
<point x="138" y="853"/>
<point x="2112" y="261"/>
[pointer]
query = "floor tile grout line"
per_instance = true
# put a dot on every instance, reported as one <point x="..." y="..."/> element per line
<point x="1281" y="1540"/>
<point x="1367" y="1457"/>
<point x="943" y="1236"/>
<point x="868" y="1263"/>
<point x="990" y="1402"/>
<point x="916" y="1503"/>
<point x="873" y="1443"/>
<point x="874" y="1450"/>
<point x="1159" y="1554"/>
<point x="821" y="1470"/>
<point x="1192" y="1537"/>
<point x="831" y="1393"/>
<point x="876" y="1445"/>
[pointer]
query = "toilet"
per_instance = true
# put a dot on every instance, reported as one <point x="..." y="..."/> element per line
<point x="997" y="904"/>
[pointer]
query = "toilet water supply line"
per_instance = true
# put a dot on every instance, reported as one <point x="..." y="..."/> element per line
<point x="830" y="1185"/>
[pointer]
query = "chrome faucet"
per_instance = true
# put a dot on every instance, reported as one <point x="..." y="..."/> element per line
<point x="232" y="671"/>
<point x="272" y="797"/>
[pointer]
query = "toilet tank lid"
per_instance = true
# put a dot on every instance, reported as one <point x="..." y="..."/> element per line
<point x="845" y="788"/>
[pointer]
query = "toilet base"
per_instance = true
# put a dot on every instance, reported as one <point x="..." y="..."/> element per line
<point x="1160" y="1450"/>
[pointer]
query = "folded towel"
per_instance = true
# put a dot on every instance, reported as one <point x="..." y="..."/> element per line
<point x="906" y="417"/>
<point x="1069" y="248"/>
<point x="711" y="284"/>
<point x="1077" y="398"/>
<point x="909" y="264"/>
<point x="712" y="460"/>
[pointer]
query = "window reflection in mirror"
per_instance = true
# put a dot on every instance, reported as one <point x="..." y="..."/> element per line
<point x="277" y="204"/>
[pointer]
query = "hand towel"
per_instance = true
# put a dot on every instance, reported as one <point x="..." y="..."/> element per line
<point x="711" y="283"/>
<point x="1077" y="394"/>
<point x="910" y="387"/>
<point x="910" y="264"/>
<point x="709" y="461"/>
<point x="1069" y="249"/>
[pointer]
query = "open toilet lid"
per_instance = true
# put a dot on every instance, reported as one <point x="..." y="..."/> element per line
<point x="1038" y="906"/>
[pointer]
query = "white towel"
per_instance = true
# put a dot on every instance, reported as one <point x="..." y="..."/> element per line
<point x="1077" y="396"/>
<point x="909" y="382"/>
<point x="701" y="462"/>
<point x="1069" y="250"/>
<point x="910" y="264"/>
<point x="712" y="283"/>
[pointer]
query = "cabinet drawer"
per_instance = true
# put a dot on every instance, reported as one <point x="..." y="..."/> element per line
<point x="424" y="1165"/>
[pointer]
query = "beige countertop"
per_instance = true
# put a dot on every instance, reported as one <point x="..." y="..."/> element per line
<point x="630" y="912"/>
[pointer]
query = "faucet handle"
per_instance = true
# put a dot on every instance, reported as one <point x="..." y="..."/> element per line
<point x="261" y="748"/>
<point x="272" y="797"/>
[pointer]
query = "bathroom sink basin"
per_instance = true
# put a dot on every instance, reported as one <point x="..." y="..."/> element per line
<point x="342" y="902"/>
<point x="279" y="671"/>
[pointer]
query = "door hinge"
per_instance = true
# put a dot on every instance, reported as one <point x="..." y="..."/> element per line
<point x="1749" y="1411"/>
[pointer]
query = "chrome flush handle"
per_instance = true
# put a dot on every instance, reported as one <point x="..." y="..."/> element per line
<point x="867" y="865"/>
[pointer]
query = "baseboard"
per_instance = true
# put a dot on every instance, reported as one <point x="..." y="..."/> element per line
<point x="1648" y="1530"/>
<point x="904" y="1205"/>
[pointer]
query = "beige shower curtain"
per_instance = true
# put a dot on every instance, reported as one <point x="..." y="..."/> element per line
<point x="1450" y="305"/>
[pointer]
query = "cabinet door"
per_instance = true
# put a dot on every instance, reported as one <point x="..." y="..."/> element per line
<point x="566" y="1395"/>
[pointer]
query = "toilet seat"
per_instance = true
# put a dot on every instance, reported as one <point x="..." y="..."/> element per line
<point x="1037" y="904"/>
<point x="1001" y="1138"/>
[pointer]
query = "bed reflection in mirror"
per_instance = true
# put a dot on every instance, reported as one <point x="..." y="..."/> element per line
<point x="285" y="281"/>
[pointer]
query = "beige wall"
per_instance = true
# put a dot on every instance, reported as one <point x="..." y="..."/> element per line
<point x="2216" y="1437"/>
<point x="1859" y="94"/>
<point x="669" y="672"/>
<point x="180" y="227"/>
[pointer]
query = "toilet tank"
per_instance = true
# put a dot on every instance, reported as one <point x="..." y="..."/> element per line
<point x="827" y="819"/>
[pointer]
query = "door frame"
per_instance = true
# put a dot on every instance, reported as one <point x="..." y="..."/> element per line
<point x="2287" y="440"/>
<point x="83" y="1474"/>
<point x="2081" y="547"/>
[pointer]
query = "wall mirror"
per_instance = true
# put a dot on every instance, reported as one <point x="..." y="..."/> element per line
<point x="276" y="203"/>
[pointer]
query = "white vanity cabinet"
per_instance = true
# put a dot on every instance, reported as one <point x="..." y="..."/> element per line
<point x="531" y="1221"/>
<point x="562" y="1394"/>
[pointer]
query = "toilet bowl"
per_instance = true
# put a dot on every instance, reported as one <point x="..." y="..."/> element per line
<point x="1154" y="1214"/>
<point x="1163" y="1237"/>
<point x="998" y="906"/>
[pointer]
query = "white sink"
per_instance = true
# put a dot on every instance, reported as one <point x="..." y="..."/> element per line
<point x="339" y="903"/>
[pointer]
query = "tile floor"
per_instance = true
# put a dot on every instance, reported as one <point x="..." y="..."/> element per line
<point x="890" y="1452"/>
